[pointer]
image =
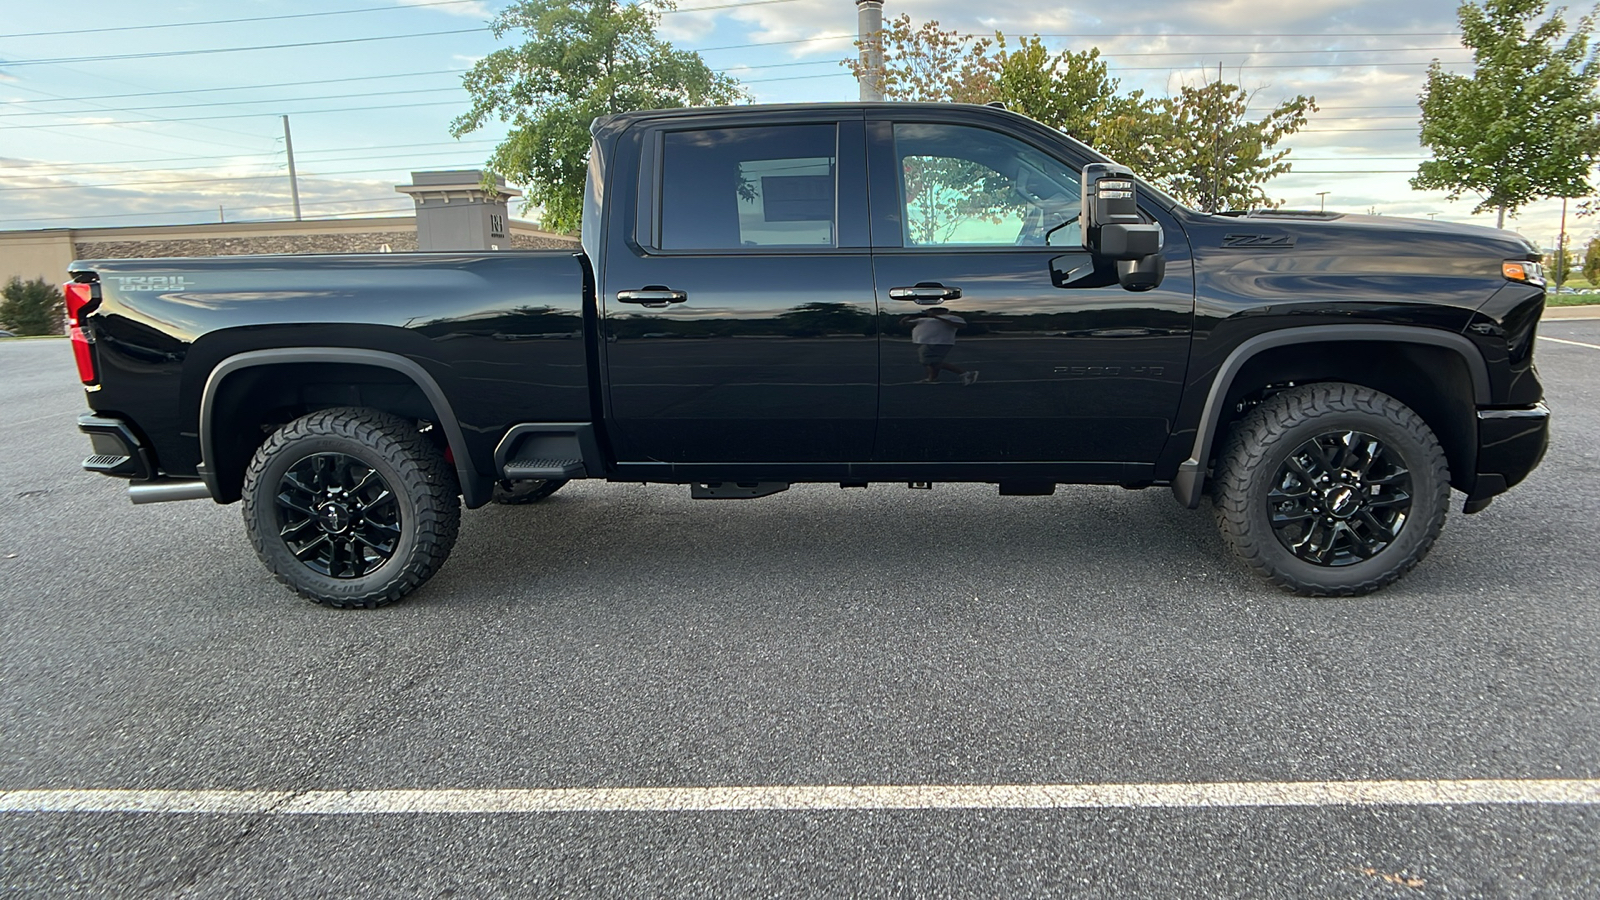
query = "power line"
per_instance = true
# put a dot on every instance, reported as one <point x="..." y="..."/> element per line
<point x="304" y="112"/>
<point x="301" y="154"/>
<point x="337" y="12"/>
<point x="171" y="53"/>
<point x="248" y="87"/>
<point x="219" y="180"/>
<point x="279" y="100"/>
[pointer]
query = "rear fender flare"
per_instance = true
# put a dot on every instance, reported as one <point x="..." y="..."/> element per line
<point x="474" y="489"/>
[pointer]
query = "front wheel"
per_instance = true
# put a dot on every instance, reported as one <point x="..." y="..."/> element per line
<point x="1331" y="490"/>
<point x="351" y="507"/>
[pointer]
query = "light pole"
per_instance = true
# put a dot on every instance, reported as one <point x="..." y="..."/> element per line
<point x="1322" y="200"/>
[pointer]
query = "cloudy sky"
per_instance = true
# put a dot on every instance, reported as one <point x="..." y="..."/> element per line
<point x="165" y="111"/>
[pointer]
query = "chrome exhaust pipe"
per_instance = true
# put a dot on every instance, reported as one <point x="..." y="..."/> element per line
<point x="164" y="491"/>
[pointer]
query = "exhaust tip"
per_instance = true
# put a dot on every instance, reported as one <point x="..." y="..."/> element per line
<point x="165" y="491"/>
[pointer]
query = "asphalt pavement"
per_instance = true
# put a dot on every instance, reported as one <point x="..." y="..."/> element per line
<point x="624" y="636"/>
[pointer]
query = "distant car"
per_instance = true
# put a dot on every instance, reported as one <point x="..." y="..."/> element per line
<point x="4" y="333"/>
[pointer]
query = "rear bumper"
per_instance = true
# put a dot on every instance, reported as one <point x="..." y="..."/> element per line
<point x="1511" y="443"/>
<point x="117" y="450"/>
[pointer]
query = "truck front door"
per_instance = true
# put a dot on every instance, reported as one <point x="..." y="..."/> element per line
<point x="740" y="322"/>
<point x="984" y="359"/>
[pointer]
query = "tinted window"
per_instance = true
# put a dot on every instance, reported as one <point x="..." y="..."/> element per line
<point x="966" y="186"/>
<point x="729" y="188"/>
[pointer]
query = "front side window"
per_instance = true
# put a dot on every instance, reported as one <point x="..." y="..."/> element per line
<point x="733" y="188"/>
<point x="971" y="187"/>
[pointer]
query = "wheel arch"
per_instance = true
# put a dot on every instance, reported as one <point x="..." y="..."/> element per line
<point x="1294" y="352"/>
<point x="223" y="471"/>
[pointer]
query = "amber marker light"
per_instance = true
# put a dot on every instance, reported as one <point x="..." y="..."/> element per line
<point x="1523" y="271"/>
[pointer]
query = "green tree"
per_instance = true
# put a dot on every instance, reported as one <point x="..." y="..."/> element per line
<point x="1526" y="124"/>
<point x="929" y="64"/>
<point x="31" y="307"/>
<point x="1199" y="145"/>
<point x="581" y="59"/>
<point x="1591" y="262"/>
<point x="1559" y="264"/>
<point x="1202" y="147"/>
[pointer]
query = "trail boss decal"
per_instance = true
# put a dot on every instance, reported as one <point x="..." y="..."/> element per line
<point x="127" y="283"/>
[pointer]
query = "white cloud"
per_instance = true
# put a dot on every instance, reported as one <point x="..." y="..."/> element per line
<point x="476" y="9"/>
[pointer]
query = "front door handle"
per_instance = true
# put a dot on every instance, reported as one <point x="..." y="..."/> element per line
<point x="925" y="293"/>
<point x="652" y="296"/>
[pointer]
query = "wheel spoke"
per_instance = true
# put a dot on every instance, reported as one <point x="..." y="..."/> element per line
<point x="1316" y="480"/>
<point x="321" y="499"/>
<point x="316" y="542"/>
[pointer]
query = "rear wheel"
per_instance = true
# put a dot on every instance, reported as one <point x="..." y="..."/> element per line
<point x="351" y="507"/>
<point x="1331" y="490"/>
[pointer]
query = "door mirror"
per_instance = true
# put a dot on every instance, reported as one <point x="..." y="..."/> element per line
<point x="1114" y="230"/>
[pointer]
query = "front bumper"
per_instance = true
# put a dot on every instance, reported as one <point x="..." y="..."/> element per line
<point x="1511" y="443"/>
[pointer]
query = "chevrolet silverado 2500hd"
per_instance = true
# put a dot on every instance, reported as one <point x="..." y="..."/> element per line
<point x="844" y="293"/>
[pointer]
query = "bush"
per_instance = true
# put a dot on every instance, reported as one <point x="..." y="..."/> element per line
<point x="32" y="307"/>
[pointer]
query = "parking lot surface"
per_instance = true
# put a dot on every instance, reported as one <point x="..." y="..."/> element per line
<point x="623" y="636"/>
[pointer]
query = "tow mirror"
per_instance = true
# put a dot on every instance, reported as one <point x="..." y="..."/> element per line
<point x="1114" y="230"/>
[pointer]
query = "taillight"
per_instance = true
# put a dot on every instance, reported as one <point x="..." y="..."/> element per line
<point x="80" y="296"/>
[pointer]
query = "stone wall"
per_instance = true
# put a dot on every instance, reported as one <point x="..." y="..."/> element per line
<point x="356" y="242"/>
<point x="530" y="242"/>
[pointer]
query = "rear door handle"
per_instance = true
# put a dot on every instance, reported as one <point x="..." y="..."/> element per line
<point x="653" y="296"/>
<point x="925" y="292"/>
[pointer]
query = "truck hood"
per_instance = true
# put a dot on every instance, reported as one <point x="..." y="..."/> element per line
<point x="1389" y="236"/>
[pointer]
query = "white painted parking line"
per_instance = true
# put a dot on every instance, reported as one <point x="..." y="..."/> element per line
<point x="1579" y="792"/>
<point x="1573" y="343"/>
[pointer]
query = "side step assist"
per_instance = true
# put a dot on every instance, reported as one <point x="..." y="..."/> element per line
<point x="530" y="469"/>
<point x="535" y="451"/>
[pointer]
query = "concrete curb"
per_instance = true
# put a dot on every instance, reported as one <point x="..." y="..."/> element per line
<point x="1569" y="313"/>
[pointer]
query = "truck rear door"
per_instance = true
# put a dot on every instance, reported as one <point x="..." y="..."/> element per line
<point x="739" y="318"/>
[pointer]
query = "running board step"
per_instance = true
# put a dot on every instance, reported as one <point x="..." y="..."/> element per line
<point x="736" y="490"/>
<point x="543" y="469"/>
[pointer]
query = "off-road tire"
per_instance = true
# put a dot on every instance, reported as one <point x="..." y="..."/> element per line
<point x="520" y="493"/>
<point x="1257" y="450"/>
<point x="424" y="487"/>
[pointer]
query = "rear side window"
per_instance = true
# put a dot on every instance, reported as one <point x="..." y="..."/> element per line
<point x="734" y="188"/>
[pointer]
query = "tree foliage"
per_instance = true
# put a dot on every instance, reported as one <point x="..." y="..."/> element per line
<point x="1200" y="145"/>
<point x="1591" y="262"/>
<point x="1526" y="124"/>
<point x="31" y="307"/>
<point x="928" y="64"/>
<point x="1558" y="263"/>
<point x="581" y="59"/>
<point x="1203" y="147"/>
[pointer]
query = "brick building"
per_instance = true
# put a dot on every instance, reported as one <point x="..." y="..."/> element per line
<point x="454" y="212"/>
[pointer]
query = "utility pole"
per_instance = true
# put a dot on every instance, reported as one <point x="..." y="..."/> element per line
<point x="294" y="183"/>
<point x="1561" y="248"/>
<point x="869" y="37"/>
<point x="1322" y="200"/>
<point x="1216" y="152"/>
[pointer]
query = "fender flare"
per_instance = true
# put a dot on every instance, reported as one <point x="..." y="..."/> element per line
<point x="473" y="492"/>
<point x="1189" y="483"/>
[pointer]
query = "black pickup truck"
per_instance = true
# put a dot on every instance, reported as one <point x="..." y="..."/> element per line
<point x="846" y="293"/>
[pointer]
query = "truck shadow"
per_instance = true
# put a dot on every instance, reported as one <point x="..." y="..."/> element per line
<point x="640" y="544"/>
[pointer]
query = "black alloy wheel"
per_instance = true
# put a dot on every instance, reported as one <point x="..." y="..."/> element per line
<point x="1340" y="498"/>
<point x="337" y="515"/>
<point x="351" y="507"/>
<point x="1331" y="489"/>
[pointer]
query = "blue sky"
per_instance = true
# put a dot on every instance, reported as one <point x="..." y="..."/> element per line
<point x="167" y="134"/>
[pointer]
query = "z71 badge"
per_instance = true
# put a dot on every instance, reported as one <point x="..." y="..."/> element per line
<point x="1264" y="241"/>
